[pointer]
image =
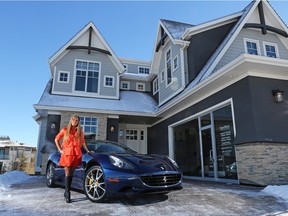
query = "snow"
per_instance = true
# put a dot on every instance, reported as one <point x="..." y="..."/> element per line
<point x="15" y="177"/>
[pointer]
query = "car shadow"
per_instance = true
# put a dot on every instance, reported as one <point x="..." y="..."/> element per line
<point x="139" y="200"/>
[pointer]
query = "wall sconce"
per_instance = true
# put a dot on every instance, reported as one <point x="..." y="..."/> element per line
<point x="278" y="95"/>
<point x="112" y="128"/>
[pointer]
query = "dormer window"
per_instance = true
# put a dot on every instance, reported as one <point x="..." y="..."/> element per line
<point x="252" y="46"/>
<point x="143" y="70"/>
<point x="271" y="50"/>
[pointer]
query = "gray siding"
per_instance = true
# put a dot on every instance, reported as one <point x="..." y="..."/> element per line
<point x="133" y="84"/>
<point x="67" y="63"/>
<point x="166" y="91"/>
<point x="133" y="68"/>
<point x="238" y="46"/>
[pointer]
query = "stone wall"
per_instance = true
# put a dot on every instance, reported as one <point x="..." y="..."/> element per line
<point x="262" y="163"/>
<point x="65" y="117"/>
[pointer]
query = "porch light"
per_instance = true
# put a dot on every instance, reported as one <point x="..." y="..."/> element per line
<point x="278" y="95"/>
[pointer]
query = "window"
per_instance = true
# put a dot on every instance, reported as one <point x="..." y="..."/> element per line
<point x="89" y="125"/>
<point x="271" y="50"/>
<point x="109" y="81"/>
<point x="175" y="63"/>
<point x="131" y="135"/>
<point x="155" y="85"/>
<point x="143" y="70"/>
<point x="140" y="86"/>
<point x="87" y="76"/>
<point x="125" y="85"/>
<point x="252" y="46"/>
<point x="141" y="135"/>
<point x="168" y="67"/>
<point x="63" y="77"/>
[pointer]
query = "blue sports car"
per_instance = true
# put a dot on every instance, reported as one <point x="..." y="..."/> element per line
<point x="114" y="169"/>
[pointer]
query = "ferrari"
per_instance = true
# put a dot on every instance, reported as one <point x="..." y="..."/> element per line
<point x="113" y="169"/>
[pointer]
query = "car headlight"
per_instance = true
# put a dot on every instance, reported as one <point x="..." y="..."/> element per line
<point x="120" y="163"/>
<point x="173" y="162"/>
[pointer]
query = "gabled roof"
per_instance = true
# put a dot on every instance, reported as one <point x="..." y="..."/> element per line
<point x="174" y="29"/>
<point x="89" y="38"/>
<point x="249" y="15"/>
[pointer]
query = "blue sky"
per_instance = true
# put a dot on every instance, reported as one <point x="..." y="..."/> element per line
<point x="32" y="31"/>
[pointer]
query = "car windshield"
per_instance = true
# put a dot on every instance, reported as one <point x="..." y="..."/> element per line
<point x="107" y="147"/>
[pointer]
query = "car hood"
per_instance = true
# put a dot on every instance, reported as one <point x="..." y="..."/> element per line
<point x="148" y="162"/>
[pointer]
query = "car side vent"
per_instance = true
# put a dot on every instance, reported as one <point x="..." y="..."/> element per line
<point x="161" y="180"/>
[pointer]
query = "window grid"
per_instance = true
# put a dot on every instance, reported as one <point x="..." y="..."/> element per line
<point x="131" y="134"/>
<point x="143" y="70"/>
<point x="89" y="125"/>
<point x="87" y="76"/>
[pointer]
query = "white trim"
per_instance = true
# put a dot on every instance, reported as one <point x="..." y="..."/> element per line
<point x="64" y="72"/>
<point x="87" y="110"/>
<point x="143" y="69"/>
<point x="125" y="82"/>
<point x="137" y="86"/>
<point x="271" y="44"/>
<point x="196" y="116"/>
<point x="85" y="93"/>
<point x="166" y="71"/>
<point x="252" y="41"/>
<point x="162" y="76"/>
<point x="113" y="81"/>
<point x="155" y="85"/>
<point x="173" y="63"/>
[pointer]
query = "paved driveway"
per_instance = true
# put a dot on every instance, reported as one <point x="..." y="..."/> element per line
<point x="197" y="198"/>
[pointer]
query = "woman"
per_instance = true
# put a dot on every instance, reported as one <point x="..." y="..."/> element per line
<point x="70" y="149"/>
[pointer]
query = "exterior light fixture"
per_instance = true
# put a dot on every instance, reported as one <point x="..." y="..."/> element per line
<point x="112" y="128"/>
<point x="278" y="95"/>
<point x="53" y="125"/>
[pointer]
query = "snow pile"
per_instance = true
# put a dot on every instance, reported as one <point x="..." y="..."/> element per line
<point x="280" y="191"/>
<point x="13" y="177"/>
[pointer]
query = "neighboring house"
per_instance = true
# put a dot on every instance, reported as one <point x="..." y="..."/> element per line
<point x="206" y="99"/>
<point x="16" y="156"/>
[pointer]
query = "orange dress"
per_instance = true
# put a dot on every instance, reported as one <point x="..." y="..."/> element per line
<point x="72" y="154"/>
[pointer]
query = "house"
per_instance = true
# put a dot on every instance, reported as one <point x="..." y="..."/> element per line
<point x="16" y="156"/>
<point x="211" y="98"/>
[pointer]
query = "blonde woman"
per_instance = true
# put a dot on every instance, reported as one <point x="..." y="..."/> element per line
<point x="72" y="138"/>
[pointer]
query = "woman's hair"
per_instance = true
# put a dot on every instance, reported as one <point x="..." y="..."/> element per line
<point x="78" y="128"/>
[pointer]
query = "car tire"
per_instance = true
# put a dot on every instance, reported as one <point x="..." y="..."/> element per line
<point x="94" y="184"/>
<point x="50" y="181"/>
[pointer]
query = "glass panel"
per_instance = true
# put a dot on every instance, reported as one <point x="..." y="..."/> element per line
<point x="206" y="120"/>
<point x="92" y="85"/>
<point x="207" y="153"/>
<point x="224" y="134"/>
<point x="80" y="80"/>
<point x="187" y="148"/>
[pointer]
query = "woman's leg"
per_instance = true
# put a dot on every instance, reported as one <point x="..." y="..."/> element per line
<point x="68" y="180"/>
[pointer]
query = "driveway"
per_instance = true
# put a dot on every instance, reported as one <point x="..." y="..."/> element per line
<point x="197" y="198"/>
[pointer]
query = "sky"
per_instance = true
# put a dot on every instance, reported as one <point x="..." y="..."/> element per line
<point x="32" y="31"/>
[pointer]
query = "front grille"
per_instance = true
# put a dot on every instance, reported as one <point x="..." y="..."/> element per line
<point x="161" y="180"/>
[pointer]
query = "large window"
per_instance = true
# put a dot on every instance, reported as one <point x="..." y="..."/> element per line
<point x="89" y="125"/>
<point x="168" y="67"/>
<point x="87" y="76"/>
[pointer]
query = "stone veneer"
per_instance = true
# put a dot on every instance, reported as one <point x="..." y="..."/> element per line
<point x="262" y="163"/>
<point x="65" y="117"/>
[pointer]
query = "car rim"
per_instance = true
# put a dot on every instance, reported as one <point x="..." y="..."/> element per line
<point x="50" y="174"/>
<point x="95" y="184"/>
